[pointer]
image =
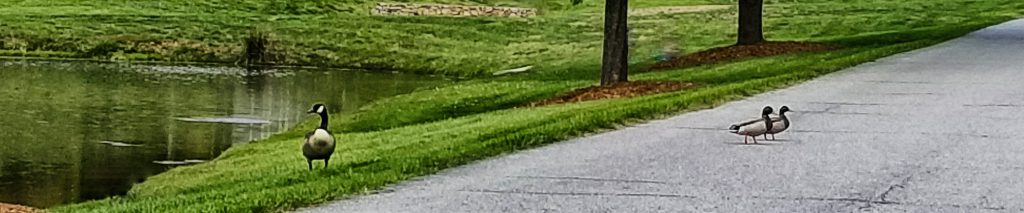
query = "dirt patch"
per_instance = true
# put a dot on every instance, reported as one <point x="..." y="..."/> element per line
<point x="677" y="9"/>
<point x="620" y="90"/>
<point x="11" y="208"/>
<point x="735" y="52"/>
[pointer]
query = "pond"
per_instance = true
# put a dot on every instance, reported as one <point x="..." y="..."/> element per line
<point x="73" y="131"/>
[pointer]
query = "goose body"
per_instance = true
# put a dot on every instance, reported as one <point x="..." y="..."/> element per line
<point x="318" y="144"/>
<point x="780" y="123"/>
<point x="753" y="128"/>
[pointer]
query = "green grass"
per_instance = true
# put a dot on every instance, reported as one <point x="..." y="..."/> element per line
<point x="429" y="130"/>
<point x="563" y="38"/>
<point x="453" y="101"/>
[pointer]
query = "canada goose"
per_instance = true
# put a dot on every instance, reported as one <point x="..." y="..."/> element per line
<point x="755" y="127"/>
<point x="779" y="123"/>
<point x="319" y="143"/>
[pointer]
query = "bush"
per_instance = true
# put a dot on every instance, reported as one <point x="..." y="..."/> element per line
<point x="102" y="49"/>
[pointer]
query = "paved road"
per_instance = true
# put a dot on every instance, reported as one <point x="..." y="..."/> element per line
<point x="934" y="130"/>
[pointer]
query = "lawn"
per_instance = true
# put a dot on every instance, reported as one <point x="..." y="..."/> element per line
<point x="309" y="32"/>
<point x="432" y="129"/>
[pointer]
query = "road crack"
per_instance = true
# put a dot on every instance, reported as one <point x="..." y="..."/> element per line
<point x="870" y="202"/>
<point x="994" y="105"/>
<point x="611" y="194"/>
<point x="845" y="103"/>
<point x="829" y="199"/>
<point x="592" y="179"/>
<point x="901" y="185"/>
<point x="904" y="181"/>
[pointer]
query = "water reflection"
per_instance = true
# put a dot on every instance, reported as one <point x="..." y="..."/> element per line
<point x="75" y="131"/>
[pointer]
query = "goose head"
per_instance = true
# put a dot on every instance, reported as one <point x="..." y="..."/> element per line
<point x="783" y="110"/>
<point x="321" y="110"/>
<point x="318" y="109"/>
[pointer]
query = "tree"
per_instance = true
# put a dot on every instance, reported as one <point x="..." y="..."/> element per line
<point x="615" y="61"/>
<point x="750" y="23"/>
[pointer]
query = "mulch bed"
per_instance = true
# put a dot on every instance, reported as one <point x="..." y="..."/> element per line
<point x="11" y="208"/>
<point x="740" y="52"/>
<point x="639" y="88"/>
<point x="619" y="90"/>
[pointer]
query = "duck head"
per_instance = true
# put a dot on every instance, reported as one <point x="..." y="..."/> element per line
<point x="783" y="110"/>
<point x="767" y="111"/>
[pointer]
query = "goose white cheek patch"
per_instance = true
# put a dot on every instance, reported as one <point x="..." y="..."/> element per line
<point x="320" y="109"/>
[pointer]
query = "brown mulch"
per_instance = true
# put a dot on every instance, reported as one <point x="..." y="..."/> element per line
<point x="12" y="208"/>
<point x="734" y="52"/>
<point x="619" y="90"/>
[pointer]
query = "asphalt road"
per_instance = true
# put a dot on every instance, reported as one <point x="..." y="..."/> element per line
<point x="934" y="130"/>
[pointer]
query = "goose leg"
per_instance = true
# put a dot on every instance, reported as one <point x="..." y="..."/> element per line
<point x="325" y="162"/>
<point x="773" y="137"/>
<point x="310" y="163"/>
<point x="744" y="139"/>
<point x="766" y="136"/>
<point x="755" y="139"/>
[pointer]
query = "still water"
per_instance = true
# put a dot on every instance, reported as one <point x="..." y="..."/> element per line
<point x="77" y="131"/>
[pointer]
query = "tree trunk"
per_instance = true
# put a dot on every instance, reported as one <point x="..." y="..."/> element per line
<point x="616" y="43"/>
<point x="750" y="27"/>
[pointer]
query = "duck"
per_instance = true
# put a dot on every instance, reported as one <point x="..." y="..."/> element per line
<point x="755" y="127"/>
<point x="780" y="123"/>
<point x="319" y="143"/>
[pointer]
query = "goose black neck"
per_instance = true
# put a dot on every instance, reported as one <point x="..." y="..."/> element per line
<point x="323" y="120"/>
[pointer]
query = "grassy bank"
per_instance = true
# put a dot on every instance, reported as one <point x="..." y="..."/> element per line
<point x="429" y="130"/>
